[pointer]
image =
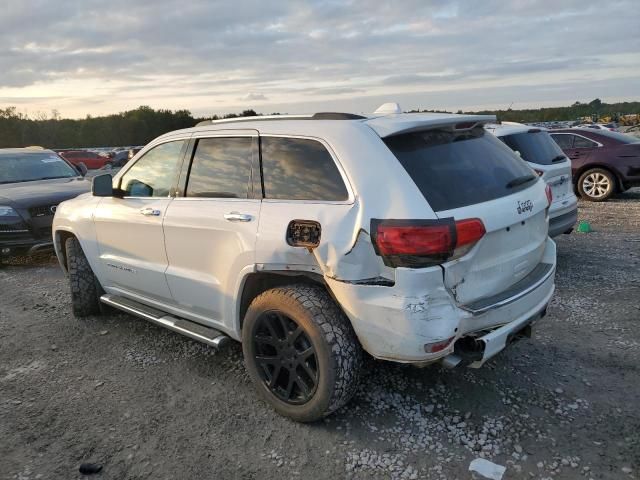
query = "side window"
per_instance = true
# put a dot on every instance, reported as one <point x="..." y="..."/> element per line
<point x="563" y="141"/>
<point x="581" y="142"/>
<point x="221" y="168"/>
<point x="300" y="169"/>
<point x="155" y="173"/>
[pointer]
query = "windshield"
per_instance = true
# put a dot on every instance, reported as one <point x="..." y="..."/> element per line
<point x="27" y="167"/>
<point x="455" y="169"/>
<point x="535" y="146"/>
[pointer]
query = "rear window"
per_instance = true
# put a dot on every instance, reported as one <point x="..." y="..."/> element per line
<point x="620" y="137"/>
<point x="300" y="169"/>
<point x="535" y="147"/>
<point x="455" y="169"/>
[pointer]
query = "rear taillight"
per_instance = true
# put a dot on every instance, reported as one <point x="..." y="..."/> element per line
<point x="549" y="195"/>
<point x="539" y="172"/>
<point x="421" y="243"/>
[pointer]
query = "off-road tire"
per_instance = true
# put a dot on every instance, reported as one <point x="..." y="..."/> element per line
<point x="338" y="351"/>
<point x="85" y="289"/>
<point x="597" y="173"/>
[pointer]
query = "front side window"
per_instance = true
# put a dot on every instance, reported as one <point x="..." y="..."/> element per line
<point x="564" y="141"/>
<point x="155" y="173"/>
<point x="300" y="169"/>
<point x="221" y="168"/>
<point x="581" y="142"/>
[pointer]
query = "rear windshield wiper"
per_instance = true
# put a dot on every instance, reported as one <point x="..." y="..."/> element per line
<point x="558" y="158"/>
<point x="520" y="180"/>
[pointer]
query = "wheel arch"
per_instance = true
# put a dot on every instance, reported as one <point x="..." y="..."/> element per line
<point x="60" y="237"/>
<point x="255" y="283"/>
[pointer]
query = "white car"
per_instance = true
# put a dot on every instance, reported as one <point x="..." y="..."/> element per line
<point x="536" y="146"/>
<point x="417" y="238"/>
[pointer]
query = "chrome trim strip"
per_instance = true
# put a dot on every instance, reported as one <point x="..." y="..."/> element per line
<point x="167" y="321"/>
<point x="513" y="298"/>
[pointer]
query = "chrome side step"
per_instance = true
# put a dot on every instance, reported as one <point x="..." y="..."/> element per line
<point x="193" y="330"/>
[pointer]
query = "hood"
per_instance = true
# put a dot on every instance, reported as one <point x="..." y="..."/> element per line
<point x="42" y="192"/>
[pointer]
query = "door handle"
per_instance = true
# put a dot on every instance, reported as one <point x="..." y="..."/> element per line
<point x="237" y="217"/>
<point x="150" y="212"/>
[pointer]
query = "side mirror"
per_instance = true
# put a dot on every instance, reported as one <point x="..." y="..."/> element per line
<point x="82" y="168"/>
<point x="102" y="186"/>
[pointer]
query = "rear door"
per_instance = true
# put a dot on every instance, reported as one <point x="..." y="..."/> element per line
<point x="210" y="228"/>
<point x="472" y="174"/>
<point x="129" y="229"/>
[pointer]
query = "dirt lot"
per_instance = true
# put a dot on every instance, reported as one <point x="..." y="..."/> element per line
<point x="147" y="403"/>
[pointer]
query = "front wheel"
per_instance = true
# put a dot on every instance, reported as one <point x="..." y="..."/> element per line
<point x="85" y="289"/>
<point x="596" y="185"/>
<point x="301" y="352"/>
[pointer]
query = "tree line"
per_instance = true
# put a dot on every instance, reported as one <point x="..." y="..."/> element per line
<point x="139" y="126"/>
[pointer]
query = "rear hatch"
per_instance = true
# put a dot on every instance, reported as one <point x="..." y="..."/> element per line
<point x="467" y="173"/>
<point x="546" y="158"/>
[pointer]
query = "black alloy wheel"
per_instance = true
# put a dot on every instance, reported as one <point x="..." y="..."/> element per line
<point x="286" y="358"/>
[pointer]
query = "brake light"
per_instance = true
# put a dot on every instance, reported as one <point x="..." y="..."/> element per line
<point x="420" y="243"/>
<point x="549" y="195"/>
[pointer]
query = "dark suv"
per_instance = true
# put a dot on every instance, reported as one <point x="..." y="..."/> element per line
<point x="602" y="162"/>
<point x="32" y="184"/>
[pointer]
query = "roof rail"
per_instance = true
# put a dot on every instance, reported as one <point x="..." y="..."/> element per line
<point x="253" y="118"/>
<point x="260" y="118"/>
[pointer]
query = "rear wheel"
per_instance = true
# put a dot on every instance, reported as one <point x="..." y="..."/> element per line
<point x="301" y="352"/>
<point x="85" y="289"/>
<point x="596" y="185"/>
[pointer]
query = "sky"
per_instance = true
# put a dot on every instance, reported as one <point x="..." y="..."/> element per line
<point x="95" y="57"/>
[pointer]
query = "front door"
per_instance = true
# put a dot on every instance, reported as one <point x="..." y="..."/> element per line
<point x="210" y="231"/>
<point x="129" y="229"/>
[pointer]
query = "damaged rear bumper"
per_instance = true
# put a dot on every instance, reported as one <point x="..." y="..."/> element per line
<point x="399" y="322"/>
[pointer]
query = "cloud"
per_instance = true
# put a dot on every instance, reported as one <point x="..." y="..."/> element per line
<point x="254" y="96"/>
<point x="81" y="58"/>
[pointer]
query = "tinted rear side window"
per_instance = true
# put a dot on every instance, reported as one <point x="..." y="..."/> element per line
<point x="564" y="141"/>
<point x="535" y="147"/>
<point x="300" y="169"/>
<point x="581" y="142"/>
<point x="221" y="168"/>
<point x="453" y="170"/>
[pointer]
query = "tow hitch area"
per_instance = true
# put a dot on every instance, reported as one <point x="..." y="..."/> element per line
<point x="476" y="348"/>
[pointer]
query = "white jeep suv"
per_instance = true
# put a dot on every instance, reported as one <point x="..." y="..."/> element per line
<point x="542" y="153"/>
<point x="417" y="238"/>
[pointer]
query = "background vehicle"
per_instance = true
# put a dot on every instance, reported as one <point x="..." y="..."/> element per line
<point x="602" y="162"/>
<point x="133" y="151"/>
<point x="91" y="159"/>
<point x="276" y="234"/>
<point x="543" y="155"/>
<point x="612" y="127"/>
<point x="32" y="184"/>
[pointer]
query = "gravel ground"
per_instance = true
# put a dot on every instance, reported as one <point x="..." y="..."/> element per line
<point x="146" y="403"/>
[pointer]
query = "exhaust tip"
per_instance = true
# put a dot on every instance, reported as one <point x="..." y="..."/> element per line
<point x="451" y="361"/>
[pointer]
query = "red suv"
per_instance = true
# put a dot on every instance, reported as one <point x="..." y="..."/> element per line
<point x="90" y="159"/>
<point x="602" y="162"/>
